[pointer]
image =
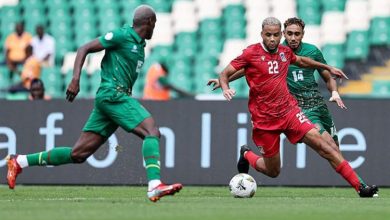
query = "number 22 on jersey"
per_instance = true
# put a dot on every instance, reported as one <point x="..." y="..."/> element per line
<point x="273" y="67"/>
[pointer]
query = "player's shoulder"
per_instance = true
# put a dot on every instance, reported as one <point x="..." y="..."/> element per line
<point x="284" y="48"/>
<point x="252" y="48"/>
<point x="309" y="47"/>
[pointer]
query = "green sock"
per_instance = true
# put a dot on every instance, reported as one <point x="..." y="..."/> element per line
<point x="151" y="154"/>
<point x="56" y="156"/>
<point x="361" y="181"/>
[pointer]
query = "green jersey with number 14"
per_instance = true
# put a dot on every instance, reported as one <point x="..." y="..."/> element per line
<point x="301" y="81"/>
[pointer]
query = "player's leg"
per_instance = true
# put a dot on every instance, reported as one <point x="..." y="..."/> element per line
<point x="325" y="125"/>
<point x="86" y="145"/>
<point x="325" y="130"/>
<point x="143" y="125"/>
<point x="268" y="162"/>
<point x="324" y="122"/>
<point x="151" y="153"/>
<point x="329" y="150"/>
<point x="325" y="148"/>
<point x="301" y="129"/>
<point x="329" y="133"/>
<point x="269" y="166"/>
<point x="150" y="134"/>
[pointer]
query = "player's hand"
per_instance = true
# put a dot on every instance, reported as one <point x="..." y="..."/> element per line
<point x="229" y="93"/>
<point x="72" y="90"/>
<point x="214" y="83"/>
<point x="336" y="98"/>
<point x="338" y="73"/>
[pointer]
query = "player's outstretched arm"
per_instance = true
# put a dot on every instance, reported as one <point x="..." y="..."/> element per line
<point x="215" y="82"/>
<point x="180" y="91"/>
<point x="331" y="84"/>
<point x="74" y="85"/>
<point x="228" y="93"/>
<point x="306" y="62"/>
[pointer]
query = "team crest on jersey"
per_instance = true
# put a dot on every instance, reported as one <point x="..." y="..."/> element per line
<point x="262" y="58"/>
<point x="108" y="36"/>
<point x="134" y="50"/>
<point x="283" y="57"/>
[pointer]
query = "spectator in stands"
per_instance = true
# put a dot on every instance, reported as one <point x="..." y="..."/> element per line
<point x="157" y="85"/>
<point x="15" y="45"/>
<point x="37" y="90"/>
<point x="44" y="46"/>
<point x="31" y="70"/>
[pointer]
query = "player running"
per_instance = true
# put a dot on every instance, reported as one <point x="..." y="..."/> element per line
<point x="114" y="106"/>
<point x="274" y="110"/>
<point x="301" y="81"/>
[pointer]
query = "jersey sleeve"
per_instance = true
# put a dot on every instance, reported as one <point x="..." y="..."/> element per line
<point x="240" y="61"/>
<point x="112" y="38"/>
<point x="317" y="56"/>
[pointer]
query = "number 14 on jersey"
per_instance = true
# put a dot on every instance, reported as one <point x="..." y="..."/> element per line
<point x="298" y="75"/>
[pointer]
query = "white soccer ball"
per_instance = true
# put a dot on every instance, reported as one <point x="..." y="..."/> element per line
<point x="243" y="185"/>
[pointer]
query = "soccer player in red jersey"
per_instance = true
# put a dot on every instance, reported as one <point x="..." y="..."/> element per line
<point x="274" y="110"/>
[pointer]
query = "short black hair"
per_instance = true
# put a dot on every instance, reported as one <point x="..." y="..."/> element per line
<point x="296" y="21"/>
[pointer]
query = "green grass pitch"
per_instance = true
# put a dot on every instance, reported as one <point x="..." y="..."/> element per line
<point x="200" y="203"/>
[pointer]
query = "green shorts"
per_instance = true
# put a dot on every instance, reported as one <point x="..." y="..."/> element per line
<point x="115" y="109"/>
<point x="321" y="117"/>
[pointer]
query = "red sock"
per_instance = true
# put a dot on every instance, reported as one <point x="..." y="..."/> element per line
<point x="252" y="158"/>
<point x="346" y="171"/>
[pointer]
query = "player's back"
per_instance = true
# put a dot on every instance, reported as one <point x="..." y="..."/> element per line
<point x="123" y="59"/>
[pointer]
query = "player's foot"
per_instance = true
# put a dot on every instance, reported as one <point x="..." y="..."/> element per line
<point x="368" y="191"/>
<point x="163" y="190"/>
<point x="243" y="164"/>
<point x="13" y="170"/>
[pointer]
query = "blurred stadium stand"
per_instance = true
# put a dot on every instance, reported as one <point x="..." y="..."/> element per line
<point x="197" y="39"/>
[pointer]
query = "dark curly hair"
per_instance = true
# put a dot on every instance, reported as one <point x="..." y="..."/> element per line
<point x="296" y="21"/>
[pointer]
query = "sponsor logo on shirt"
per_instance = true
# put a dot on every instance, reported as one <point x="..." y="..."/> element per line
<point x="283" y="57"/>
<point x="262" y="58"/>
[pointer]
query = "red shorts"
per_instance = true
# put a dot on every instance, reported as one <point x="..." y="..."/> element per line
<point x="294" y="125"/>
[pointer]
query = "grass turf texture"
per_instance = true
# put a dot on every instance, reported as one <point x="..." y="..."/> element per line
<point x="116" y="202"/>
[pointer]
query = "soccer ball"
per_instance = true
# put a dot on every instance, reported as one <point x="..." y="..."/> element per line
<point x="243" y="185"/>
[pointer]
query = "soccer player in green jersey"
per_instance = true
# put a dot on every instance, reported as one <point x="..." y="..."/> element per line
<point x="114" y="107"/>
<point x="302" y="84"/>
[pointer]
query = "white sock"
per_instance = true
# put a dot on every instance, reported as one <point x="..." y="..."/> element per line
<point x="22" y="161"/>
<point x="153" y="183"/>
